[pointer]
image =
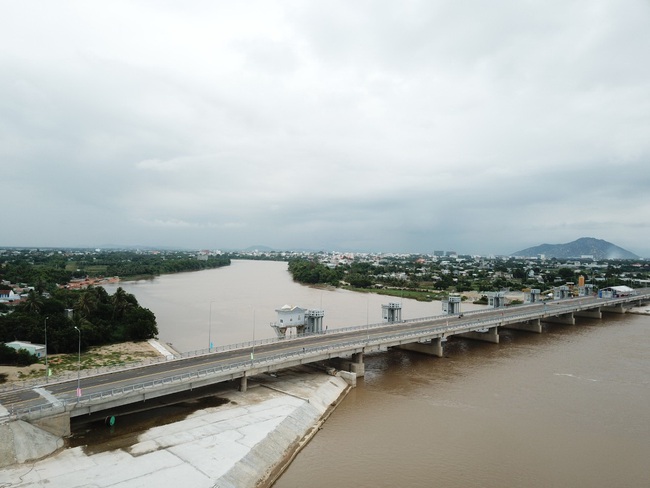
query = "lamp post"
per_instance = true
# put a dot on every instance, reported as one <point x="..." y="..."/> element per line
<point x="253" y="351"/>
<point x="367" y="318"/>
<point x="210" y="329"/>
<point x="47" y="369"/>
<point x="79" y="367"/>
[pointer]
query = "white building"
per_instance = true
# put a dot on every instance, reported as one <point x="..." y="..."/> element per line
<point x="37" y="350"/>
<point x="8" y="296"/>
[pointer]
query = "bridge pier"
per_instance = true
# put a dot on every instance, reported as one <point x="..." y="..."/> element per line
<point x="353" y="365"/>
<point x="593" y="313"/>
<point x="243" y="383"/>
<point x="356" y="365"/>
<point x="432" y="347"/>
<point x="492" y="335"/>
<point x="614" y="308"/>
<point x="565" y="318"/>
<point x="533" y="325"/>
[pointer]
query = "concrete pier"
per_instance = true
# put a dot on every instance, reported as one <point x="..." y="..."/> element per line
<point x="533" y="325"/>
<point x="565" y="318"/>
<point x="432" y="347"/>
<point x="357" y="366"/>
<point x="594" y="313"/>
<point x="491" y="335"/>
<point x="614" y="309"/>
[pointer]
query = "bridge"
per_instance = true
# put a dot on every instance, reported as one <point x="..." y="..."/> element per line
<point x="51" y="405"/>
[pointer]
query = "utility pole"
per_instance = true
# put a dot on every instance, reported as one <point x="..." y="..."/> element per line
<point x="79" y="367"/>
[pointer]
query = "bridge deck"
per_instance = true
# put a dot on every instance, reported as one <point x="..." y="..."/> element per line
<point x="133" y="384"/>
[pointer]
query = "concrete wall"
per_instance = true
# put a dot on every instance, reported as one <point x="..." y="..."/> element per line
<point x="21" y="442"/>
<point x="278" y="449"/>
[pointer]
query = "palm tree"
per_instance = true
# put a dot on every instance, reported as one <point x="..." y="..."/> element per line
<point x="34" y="302"/>
<point x="87" y="303"/>
<point x="121" y="302"/>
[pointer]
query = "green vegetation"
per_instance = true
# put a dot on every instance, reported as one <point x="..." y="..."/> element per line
<point x="46" y="269"/>
<point x="310" y="272"/>
<point x="91" y="314"/>
<point x="424" y="277"/>
<point x="11" y="357"/>
<point x="98" y="317"/>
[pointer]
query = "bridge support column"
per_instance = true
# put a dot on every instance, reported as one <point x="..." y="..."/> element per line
<point x="614" y="308"/>
<point x="492" y="335"/>
<point x="356" y="366"/>
<point x="432" y="348"/>
<point x="565" y="318"/>
<point x="243" y="384"/>
<point x="593" y="313"/>
<point x="533" y="325"/>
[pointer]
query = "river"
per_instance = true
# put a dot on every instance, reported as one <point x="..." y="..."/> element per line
<point x="565" y="408"/>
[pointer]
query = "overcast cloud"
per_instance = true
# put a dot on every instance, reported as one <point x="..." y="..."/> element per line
<point x="482" y="127"/>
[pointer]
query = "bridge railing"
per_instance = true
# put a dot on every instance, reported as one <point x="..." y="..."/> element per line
<point x="551" y="308"/>
<point x="260" y="361"/>
<point x="558" y="307"/>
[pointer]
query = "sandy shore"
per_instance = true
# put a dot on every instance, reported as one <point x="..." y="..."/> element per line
<point x="125" y="352"/>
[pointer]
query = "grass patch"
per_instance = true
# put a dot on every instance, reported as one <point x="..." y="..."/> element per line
<point x="100" y="357"/>
<point x="419" y="295"/>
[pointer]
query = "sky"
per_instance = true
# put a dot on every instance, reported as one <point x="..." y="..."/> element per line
<point x="410" y="126"/>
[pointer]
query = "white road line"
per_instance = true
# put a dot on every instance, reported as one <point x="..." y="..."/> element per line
<point x="48" y="396"/>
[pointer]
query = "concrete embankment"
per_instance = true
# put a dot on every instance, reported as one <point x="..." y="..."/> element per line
<point x="21" y="442"/>
<point x="245" y="442"/>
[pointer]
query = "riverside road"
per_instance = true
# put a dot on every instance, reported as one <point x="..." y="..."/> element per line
<point x="106" y="391"/>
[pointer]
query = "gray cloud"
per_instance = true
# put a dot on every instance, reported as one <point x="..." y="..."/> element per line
<point x="381" y="126"/>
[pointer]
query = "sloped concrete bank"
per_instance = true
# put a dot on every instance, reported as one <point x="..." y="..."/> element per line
<point x="245" y="443"/>
<point x="21" y="442"/>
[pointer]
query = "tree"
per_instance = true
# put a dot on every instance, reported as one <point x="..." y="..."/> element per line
<point x="33" y="303"/>
<point x="140" y="324"/>
<point x="358" y="280"/>
<point x="87" y="303"/>
<point x="566" y="274"/>
<point x="120" y="302"/>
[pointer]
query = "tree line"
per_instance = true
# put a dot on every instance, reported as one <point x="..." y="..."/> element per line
<point x="99" y="317"/>
<point x="44" y="270"/>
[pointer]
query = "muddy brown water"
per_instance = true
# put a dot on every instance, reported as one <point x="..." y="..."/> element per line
<point x="566" y="408"/>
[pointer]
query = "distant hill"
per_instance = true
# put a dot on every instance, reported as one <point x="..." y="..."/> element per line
<point x="585" y="246"/>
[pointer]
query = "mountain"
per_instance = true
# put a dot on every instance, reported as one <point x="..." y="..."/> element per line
<point x="585" y="246"/>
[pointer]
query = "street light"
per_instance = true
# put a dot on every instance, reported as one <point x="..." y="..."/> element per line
<point x="47" y="369"/>
<point x="367" y="317"/>
<point x="79" y="367"/>
<point x="253" y="351"/>
<point x="210" y="329"/>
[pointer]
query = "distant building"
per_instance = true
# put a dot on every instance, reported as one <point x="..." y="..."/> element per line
<point x="616" y="291"/>
<point x="37" y="350"/>
<point x="7" y="296"/>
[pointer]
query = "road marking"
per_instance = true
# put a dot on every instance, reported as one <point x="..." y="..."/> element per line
<point x="48" y="396"/>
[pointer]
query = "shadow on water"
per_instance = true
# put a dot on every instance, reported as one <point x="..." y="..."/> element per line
<point x="119" y="428"/>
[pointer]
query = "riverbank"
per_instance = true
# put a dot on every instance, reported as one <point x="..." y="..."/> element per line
<point x="246" y="442"/>
<point x="98" y="357"/>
